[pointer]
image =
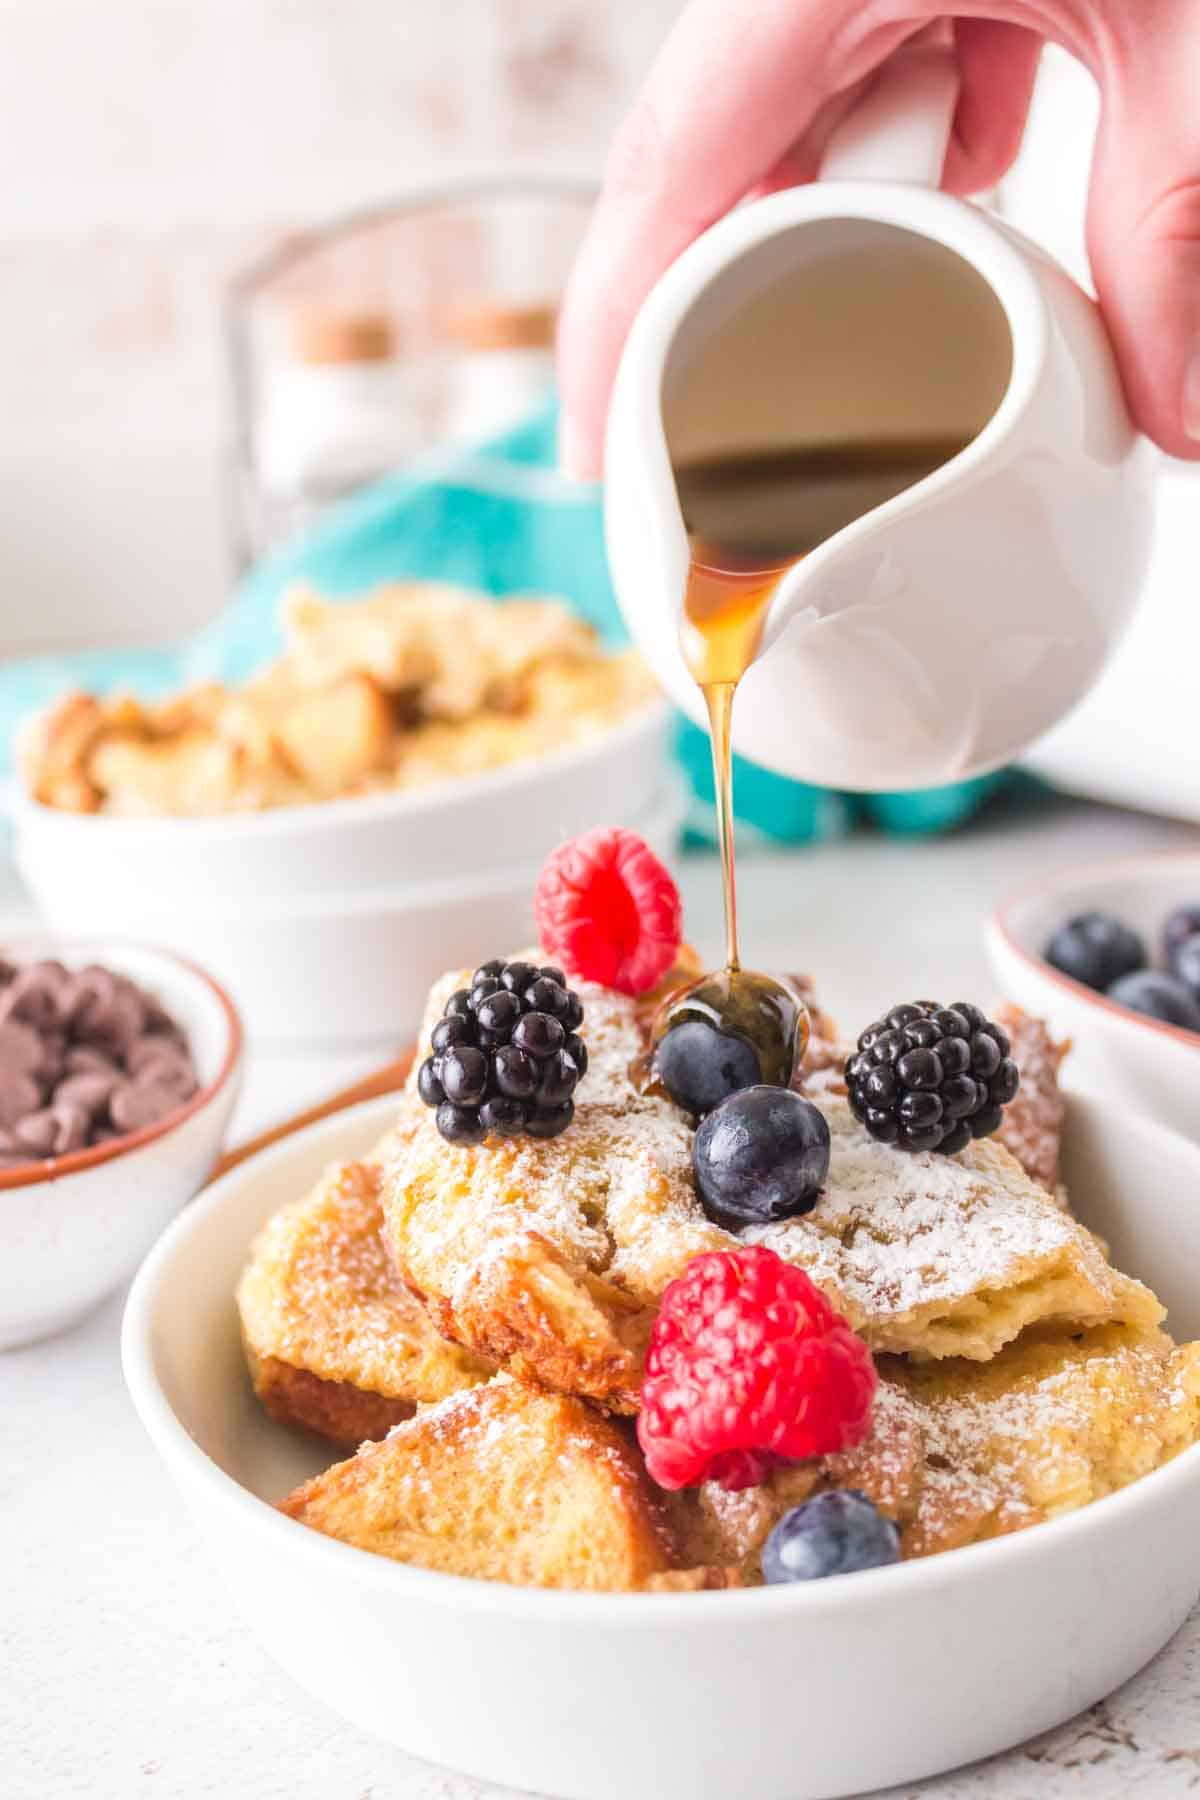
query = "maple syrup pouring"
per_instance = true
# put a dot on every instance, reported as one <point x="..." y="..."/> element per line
<point x="750" y="519"/>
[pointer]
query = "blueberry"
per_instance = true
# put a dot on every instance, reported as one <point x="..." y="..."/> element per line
<point x="1181" y="925"/>
<point x="459" y="1124"/>
<point x="464" y="1073"/>
<point x="516" y="1073"/>
<point x="835" y="1533"/>
<point x="1187" y="965"/>
<point x="700" y="1066"/>
<point x="429" y="1084"/>
<point x="1096" y="949"/>
<point x="762" y="1154"/>
<point x="539" y="1034"/>
<point x="1159" y="997"/>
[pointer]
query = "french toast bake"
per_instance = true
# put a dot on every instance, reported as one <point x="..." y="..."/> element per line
<point x="334" y="1340"/>
<point x="550" y="1256"/>
<point x="414" y="684"/>
<point x="569" y="1363"/>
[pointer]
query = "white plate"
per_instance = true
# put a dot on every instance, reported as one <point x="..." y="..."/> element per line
<point x="780" y="1694"/>
<point x="1145" y="1064"/>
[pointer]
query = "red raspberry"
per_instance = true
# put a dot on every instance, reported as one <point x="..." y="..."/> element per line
<point x="749" y="1365"/>
<point x="608" y="910"/>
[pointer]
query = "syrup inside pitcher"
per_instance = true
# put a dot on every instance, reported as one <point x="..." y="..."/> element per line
<point x="755" y="506"/>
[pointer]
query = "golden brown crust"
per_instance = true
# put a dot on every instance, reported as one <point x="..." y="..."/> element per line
<point x="1032" y="1125"/>
<point x="334" y="1340"/>
<point x="338" y="1411"/>
<point x="504" y="1483"/>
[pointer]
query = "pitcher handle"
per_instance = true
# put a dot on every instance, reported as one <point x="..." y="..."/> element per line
<point x="899" y="129"/>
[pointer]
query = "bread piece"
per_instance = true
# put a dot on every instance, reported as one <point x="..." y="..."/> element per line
<point x="334" y="1340"/>
<point x="504" y="1483"/>
<point x="551" y="1256"/>
<point x="959" y="1451"/>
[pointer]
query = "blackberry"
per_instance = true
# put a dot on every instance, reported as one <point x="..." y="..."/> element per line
<point x="930" y="1077"/>
<point x="505" y="1055"/>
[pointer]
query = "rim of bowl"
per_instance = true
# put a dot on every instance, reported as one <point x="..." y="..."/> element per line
<point x="282" y="821"/>
<point x="176" y="1446"/>
<point x="1066" y="879"/>
<point x="51" y="1168"/>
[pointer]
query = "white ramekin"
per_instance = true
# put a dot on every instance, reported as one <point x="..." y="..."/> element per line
<point x="785" y="1694"/>
<point x="74" y="1227"/>
<point x="1148" y="1065"/>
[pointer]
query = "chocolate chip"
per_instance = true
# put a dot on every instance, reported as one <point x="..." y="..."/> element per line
<point x="72" y="1124"/>
<point x="19" y="1095"/>
<point x="37" y="1132"/>
<point x="136" y="1104"/>
<point x="111" y="1021"/>
<point x="90" y="1089"/>
<point x="20" y="1047"/>
<point x="83" y="1059"/>
<point x="33" y="996"/>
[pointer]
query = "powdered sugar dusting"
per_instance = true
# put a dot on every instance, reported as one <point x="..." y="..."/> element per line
<point x="948" y="1255"/>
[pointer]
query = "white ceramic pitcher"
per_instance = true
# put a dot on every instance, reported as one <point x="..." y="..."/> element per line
<point x="938" y="635"/>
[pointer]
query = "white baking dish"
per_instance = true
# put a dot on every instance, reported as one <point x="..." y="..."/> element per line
<point x="510" y="815"/>
<point x="351" y="965"/>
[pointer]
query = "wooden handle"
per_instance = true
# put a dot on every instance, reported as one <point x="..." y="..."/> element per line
<point x="388" y="1080"/>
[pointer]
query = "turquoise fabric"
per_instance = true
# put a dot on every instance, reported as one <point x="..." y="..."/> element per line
<point x="500" y="519"/>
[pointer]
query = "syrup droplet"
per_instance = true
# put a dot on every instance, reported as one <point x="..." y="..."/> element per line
<point x="768" y="1014"/>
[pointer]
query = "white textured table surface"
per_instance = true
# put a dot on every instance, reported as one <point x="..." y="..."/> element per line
<point x="124" y="1670"/>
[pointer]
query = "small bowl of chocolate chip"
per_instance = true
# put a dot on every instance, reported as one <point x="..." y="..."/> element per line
<point x="119" y="1068"/>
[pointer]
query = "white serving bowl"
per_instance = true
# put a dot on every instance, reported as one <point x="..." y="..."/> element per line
<point x="784" y="1694"/>
<point x="510" y="815"/>
<point x="350" y="966"/>
<point x="74" y="1227"/>
<point x="1152" y="1066"/>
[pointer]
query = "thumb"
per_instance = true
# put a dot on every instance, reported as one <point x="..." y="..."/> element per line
<point x="1144" y="228"/>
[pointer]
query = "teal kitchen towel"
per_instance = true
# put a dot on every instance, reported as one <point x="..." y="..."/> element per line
<point x="499" y="519"/>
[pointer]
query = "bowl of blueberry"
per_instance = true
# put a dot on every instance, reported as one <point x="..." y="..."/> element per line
<point x="1111" y="954"/>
